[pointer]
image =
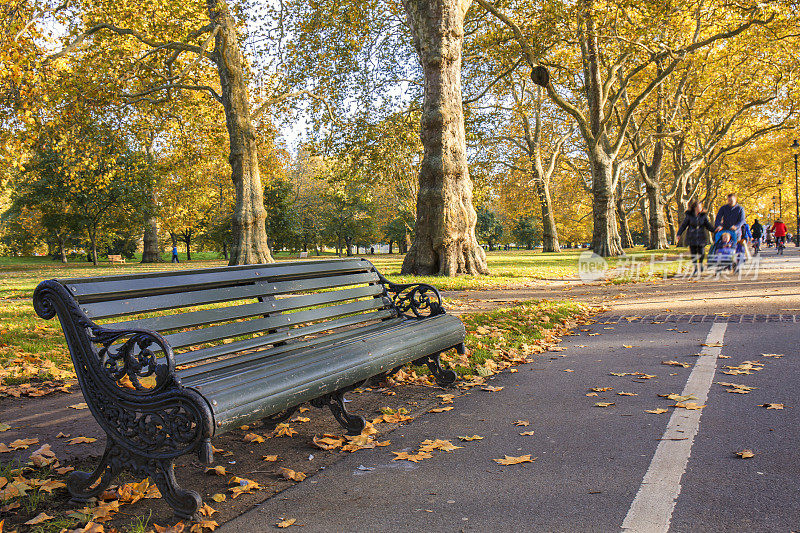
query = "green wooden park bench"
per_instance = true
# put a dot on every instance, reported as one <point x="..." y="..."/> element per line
<point x="168" y="360"/>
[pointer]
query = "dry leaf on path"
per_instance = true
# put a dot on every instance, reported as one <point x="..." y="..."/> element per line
<point x="253" y="437"/>
<point x="676" y="363"/>
<point x="288" y="473"/>
<point x="474" y="437"/>
<point x="527" y="433"/>
<point x="81" y="440"/>
<point x="604" y="404"/>
<point x="622" y="393"/>
<point x="219" y="498"/>
<point x="489" y="388"/>
<point x="509" y="460"/>
<point x="286" y="523"/>
<point x="592" y="394"/>
<point x="772" y="405"/>
<point x="602" y="389"/>
<point x="568" y="370"/>
<point x="522" y="423"/>
<point x="269" y="458"/>
<point x="446" y="398"/>
<point x="218" y="470"/>
<point x="746" y="454"/>
<point x="416" y="457"/>
<point x="38" y="519"/>
<point x="441" y="409"/>
<point x="691" y="406"/>
<point x="81" y="405"/>
<point x="657" y="411"/>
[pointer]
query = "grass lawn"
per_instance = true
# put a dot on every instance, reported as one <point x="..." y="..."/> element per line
<point x="29" y="345"/>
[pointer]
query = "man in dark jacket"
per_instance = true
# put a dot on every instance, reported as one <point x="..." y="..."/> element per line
<point x="730" y="215"/>
<point x="695" y="223"/>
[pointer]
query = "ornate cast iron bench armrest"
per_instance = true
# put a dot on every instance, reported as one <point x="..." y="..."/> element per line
<point x="421" y="299"/>
<point x="128" y="380"/>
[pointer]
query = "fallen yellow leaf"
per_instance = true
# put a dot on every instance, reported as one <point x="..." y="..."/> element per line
<point x="253" y="437"/>
<point x="286" y="523"/>
<point x="526" y="433"/>
<point x="657" y="411"/>
<point x="489" y="388"/>
<point x="522" y="423"/>
<point x="81" y="440"/>
<point x="772" y="405"/>
<point x="441" y="409"/>
<point x="509" y="460"/>
<point x="292" y="475"/>
<point x="604" y="404"/>
<point x="218" y="470"/>
<point x="416" y="457"/>
<point x="81" y="405"/>
<point x="746" y="454"/>
<point x="219" y="498"/>
<point x="269" y="458"/>
<point x="38" y="519"/>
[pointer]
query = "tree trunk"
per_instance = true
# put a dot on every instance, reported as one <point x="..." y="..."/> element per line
<point x="644" y="212"/>
<point x="150" y="251"/>
<point x="62" y="253"/>
<point x="626" y="240"/>
<point x="670" y="224"/>
<point x="656" y="225"/>
<point x="549" y="231"/>
<point x="249" y="232"/>
<point x="187" y="239"/>
<point x="444" y="234"/>
<point x="390" y="247"/>
<point x="605" y="238"/>
<point x="93" y="238"/>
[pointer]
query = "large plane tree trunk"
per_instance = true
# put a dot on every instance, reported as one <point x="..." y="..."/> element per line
<point x="444" y="234"/>
<point x="549" y="231"/>
<point x="657" y="226"/>
<point x="249" y="234"/>
<point x="605" y="238"/>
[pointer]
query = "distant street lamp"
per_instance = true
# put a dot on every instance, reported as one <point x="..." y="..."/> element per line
<point x="796" y="151"/>
<point x="780" y="199"/>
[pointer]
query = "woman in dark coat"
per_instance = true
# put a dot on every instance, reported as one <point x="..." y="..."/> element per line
<point x="695" y="224"/>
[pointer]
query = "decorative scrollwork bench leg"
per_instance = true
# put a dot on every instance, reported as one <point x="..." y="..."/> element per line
<point x="84" y="485"/>
<point x="354" y="424"/>
<point x="443" y="377"/>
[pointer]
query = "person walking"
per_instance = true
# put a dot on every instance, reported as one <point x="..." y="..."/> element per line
<point x="175" y="254"/>
<point x="695" y="224"/>
<point x="779" y="230"/>
<point x="758" y="231"/>
<point x="730" y="216"/>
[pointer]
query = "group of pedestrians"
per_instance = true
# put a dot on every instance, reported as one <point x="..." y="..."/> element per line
<point x="731" y="232"/>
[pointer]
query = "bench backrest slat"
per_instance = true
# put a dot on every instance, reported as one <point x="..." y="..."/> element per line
<point x="223" y="314"/>
<point x="188" y="298"/>
<point x="119" y="287"/>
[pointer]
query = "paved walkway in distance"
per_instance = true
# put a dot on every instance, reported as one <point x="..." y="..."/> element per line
<point x="614" y="468"/>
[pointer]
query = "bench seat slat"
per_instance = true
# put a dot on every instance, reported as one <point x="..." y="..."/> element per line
<point x="116" y="287"/>
<point x="221" y="350"/>
<point x="197" y="375"/>
<point x="272" y="388"/>
<point x="235" y="329"/>
<point x="260" y="288"/>
<point x="223" y="314"/>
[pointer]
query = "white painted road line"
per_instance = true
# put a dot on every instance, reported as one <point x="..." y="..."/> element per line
<point x="651" y="510"/>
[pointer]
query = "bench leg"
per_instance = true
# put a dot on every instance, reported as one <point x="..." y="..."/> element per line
<point x="272" y="421"/>
<point x="84" y="485"/>
<point x="443" y="377"/>
<point x="354" y="424"/>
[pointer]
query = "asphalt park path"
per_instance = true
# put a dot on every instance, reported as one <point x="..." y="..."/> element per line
<point x="595" y="468"/>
